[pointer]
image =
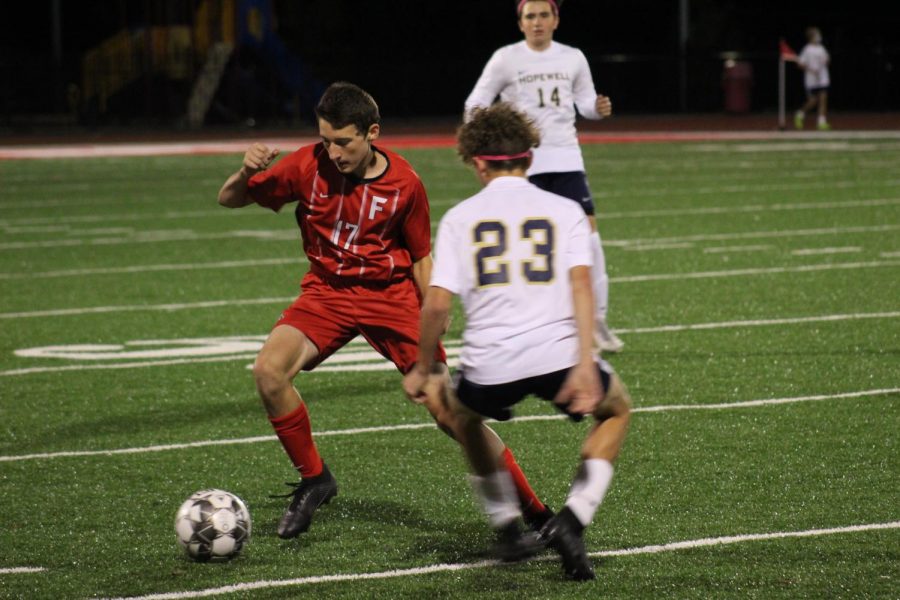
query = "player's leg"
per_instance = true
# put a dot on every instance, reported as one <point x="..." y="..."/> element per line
<point x="439" y="398"/>
<point x="592" y="478"/>
<point x="390" y="323"/>
<point x="493" y="484"/>
<point x="303" y="336"/>
<point x="822" y="123"/>
<point x="812" y="99"/>
<point x="286" y="351"/>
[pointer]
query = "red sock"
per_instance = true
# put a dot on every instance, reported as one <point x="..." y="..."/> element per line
<point x="295" y="433"/>
<point x="530" y="503"/>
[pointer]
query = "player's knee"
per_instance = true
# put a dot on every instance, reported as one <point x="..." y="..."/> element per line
<point x="616" y="402"/>
<point x="270" y="379"/>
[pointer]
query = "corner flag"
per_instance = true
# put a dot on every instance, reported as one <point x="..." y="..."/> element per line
<point x="785" y="53"/>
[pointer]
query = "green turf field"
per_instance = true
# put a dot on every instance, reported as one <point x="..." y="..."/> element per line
<point x="757" y="288"/>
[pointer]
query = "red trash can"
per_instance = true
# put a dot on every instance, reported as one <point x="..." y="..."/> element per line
<point x="737" y="81"/>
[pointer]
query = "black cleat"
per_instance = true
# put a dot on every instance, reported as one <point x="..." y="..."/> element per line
<point x="563" y="534"/>
<point x="308" y="495"/>
<point x="513" y="544"/>
<point x="537" y="520"/>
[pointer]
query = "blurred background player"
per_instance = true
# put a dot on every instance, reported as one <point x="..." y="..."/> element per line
<point x="364" y="218"/>
<point x="814" y="59"/>
<point x="520" y="259"/>
<point x="547" y="80"/>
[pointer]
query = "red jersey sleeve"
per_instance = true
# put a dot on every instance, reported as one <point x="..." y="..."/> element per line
<point x="281" y="184"/>
<point x="417" y="224"/>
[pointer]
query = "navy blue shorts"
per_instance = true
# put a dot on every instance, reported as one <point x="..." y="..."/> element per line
<point x="815" y="91"/>
<point x="496" y="401"/>
<point x="570" y="184"/>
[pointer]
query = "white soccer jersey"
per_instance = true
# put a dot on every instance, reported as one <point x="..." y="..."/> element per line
<point x="507" y="252"/>
<point x="548" y="86"/>
<point x="815" y="58"/>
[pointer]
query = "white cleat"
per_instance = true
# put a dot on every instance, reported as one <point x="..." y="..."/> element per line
<point x="605" y="339"/>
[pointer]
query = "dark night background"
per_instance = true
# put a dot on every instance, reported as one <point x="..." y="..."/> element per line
<point x="420" y="58"/>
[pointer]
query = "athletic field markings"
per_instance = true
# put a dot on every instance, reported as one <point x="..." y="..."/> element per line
<point x="416" y="426"/>
<point x="27" y="224"/>
<point x="455" y="567"/>
<point x="291" y="235"/>
<point x="348" y="359"/>
<point x="832" y="250"/>
<point x="706" y="237"/>
<point x="19" y="570"/>
<point x="749" y="248"/>
<point x="228" y="264"/>
<point x="60" y="312"/>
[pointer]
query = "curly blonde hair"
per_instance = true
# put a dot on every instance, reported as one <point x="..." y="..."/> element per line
<point x="498" y="130"/>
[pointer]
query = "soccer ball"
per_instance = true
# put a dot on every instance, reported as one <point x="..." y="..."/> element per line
<point x="213" y="525"/>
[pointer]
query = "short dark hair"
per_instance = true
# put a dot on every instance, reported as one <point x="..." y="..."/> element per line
<point x="555" y="5"/>
<point x="345" y="104"/>
<point x="498" y="130"/>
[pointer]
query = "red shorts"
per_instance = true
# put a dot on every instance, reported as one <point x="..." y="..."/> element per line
<point x="331" y="313"/>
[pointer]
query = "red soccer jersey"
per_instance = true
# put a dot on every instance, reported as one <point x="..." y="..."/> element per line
<point x="372" y="229"/>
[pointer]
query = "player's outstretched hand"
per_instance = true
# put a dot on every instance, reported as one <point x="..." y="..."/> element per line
<point x="603" y="105"/>
<point x="258" y="158"/>
<point x="581" y="391"/>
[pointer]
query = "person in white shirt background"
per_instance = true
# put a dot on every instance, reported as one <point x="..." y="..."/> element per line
<point x="814" y="59"/>
<point x="548" y="80"/>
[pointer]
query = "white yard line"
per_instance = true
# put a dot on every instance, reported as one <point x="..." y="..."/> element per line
<point x="455" y="567"/>
<point x="759" y="322"/>
<point x="62" y="312"/>
<point x="749" y="235"/>
<point x="229" y="264"/>
<point x="832" y="250"/>
<point x="362" y="361"/>
<point x="18" y="570"/>
<point x="429" y="425"/>
<point x="59" y="312"/>
<point x="749" y="208"/>
<point x="631" y="214"/>
<point x="745" y="272"/>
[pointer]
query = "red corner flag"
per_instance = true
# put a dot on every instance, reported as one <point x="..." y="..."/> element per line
<point x="786" y="52"/>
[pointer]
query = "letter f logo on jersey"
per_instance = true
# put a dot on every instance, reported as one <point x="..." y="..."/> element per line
<point x="375" y="206"/>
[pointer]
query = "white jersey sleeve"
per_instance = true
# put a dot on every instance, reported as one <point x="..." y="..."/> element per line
<point x="447" y="272"/>
<point x="583" y="92"/>
<point x="494" y="79"/>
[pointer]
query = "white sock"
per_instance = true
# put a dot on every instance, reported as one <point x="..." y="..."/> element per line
<point x="821" y="120"/>
<point x="497" y="494"/>
<point x="800" y="114"/>
<point x="601" y="280"/>
<point x="588" y="488"/>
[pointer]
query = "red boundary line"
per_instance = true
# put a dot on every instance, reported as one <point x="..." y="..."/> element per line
<point x="237" y="146"/>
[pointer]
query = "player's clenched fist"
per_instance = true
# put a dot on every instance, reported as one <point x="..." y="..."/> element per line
<point x="604" y="105"/>
<point x="258" y="158"/>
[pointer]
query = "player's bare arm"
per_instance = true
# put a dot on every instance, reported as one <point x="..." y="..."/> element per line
<point x="435" y="312"/>
<point x="581" y="390"/>
<point x="421" y="270"/>
<point x="603" y="105"/>
<point x="257" y="158"/>
<point x="422" y="275"/>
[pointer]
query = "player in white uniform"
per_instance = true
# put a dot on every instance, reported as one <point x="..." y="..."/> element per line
<point x="814" y="61"/>
<point x="520" y="259"/>
<point x="548" y="81"/>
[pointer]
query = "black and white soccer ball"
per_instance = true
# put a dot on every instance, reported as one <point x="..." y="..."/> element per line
<point x="213" y="525"/>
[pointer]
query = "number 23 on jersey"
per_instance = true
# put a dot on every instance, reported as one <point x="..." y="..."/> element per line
<point x="492" y="261"/>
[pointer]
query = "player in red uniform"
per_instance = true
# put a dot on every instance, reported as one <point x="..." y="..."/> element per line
<point x="364" y="219"/>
